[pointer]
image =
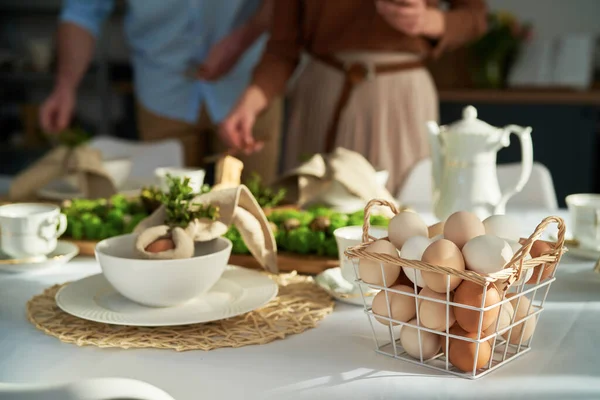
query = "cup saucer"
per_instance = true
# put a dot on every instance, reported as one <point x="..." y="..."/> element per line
<point x="576" y="250"/>
<point x="63" y="253"/>
<point x="336" y="286"/>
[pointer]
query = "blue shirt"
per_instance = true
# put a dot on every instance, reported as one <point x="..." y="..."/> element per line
<point x="166" y="38"/>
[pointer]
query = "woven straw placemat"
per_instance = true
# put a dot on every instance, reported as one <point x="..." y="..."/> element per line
<point x="299" y="306"/>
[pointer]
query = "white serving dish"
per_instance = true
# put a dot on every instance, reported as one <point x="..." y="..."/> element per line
<point x="161" y="283"/>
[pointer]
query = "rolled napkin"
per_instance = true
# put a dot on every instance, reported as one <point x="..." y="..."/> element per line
<point x="236" y="206"/>
<point x="83" y="161"/>
<point x="307" y="183"/>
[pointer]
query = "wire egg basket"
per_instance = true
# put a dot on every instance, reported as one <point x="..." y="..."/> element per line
<point x="489" y="347"/>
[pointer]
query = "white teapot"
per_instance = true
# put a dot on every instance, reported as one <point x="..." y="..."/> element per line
<point x="464" y="165"/>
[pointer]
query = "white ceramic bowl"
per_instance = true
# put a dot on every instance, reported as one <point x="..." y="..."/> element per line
<point x="161" y="283"/>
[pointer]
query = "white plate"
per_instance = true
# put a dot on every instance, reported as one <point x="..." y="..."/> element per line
<point x="332" y="281"/>
<point x="237" y="292"/>
<point x="62" y="190"/>
<point x="63" y="253"/>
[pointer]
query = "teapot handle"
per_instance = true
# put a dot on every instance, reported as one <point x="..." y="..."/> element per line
<point x="524" y="135"/>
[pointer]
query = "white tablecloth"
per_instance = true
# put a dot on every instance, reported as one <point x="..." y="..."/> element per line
<point x="333" y="361"/>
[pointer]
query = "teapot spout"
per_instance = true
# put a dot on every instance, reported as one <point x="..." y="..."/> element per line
<point x="436" y="152"/>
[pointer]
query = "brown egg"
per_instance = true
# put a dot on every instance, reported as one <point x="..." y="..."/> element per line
<point x="461" y="227"/>
<point x="160" y="245"/>
<point x="442" y="253"/>
<point x="455" y="330"/>
<point x="461" y="353"/>
<point x="471" y="294"/>
<point x="432" y="314"/>
<point x="370" y="271"/>
<point x="539" y="247"/>
<point x="520" y="312"/>
<point x="436" y="229"/>
<point x="402" y="307"/>
<point x="405" y="225"/>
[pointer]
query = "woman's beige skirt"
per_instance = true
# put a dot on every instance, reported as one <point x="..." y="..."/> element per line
<point x="384" y="120"/>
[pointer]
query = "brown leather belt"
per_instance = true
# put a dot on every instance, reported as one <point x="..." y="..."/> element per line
<point x="355" y="73"/>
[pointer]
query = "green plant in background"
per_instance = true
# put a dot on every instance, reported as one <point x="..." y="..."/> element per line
<point x="493" y="54"/>
<point x="100" y="219"/>
<point x="307" y="231"/>
<point x="265" y="196"/>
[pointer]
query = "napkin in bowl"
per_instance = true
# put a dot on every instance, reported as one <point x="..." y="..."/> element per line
<point x="237" y="206"/>
<point x="83" y="161"/>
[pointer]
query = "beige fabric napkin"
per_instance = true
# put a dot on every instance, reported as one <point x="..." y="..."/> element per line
<point x="85" y="162"/>
<point x="308" y="182"/>
<point x="237" y="206"/>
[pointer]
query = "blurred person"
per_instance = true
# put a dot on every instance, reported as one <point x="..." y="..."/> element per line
<point x="191" y="60"/>
<point x="364" y="87"/>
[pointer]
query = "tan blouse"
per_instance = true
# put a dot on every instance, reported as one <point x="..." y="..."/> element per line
<point x="331" y="26"/>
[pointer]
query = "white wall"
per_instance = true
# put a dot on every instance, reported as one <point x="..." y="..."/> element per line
<point x="554" y="17"/>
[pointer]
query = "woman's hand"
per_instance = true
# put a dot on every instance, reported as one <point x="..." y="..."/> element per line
<point x="412" y="17"/>
<point x="236" y="130"/>
<point x="56" y="112"/>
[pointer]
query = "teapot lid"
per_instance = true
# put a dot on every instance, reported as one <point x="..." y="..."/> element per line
<point x="470" y="124"/>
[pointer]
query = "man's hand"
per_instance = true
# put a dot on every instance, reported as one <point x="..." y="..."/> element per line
<point x="236" y="130"/>
<point x="56" y="112"/>
<point x="223" y="56"/>
<point x="411" y="17"/>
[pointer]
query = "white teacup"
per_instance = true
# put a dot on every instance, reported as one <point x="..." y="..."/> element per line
<point x="584" y="210"/>
<point x="196" y="177"/>
<point x="350" y="236"/>
<point x="30" y="229"/>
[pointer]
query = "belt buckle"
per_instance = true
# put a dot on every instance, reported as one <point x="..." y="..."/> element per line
<point x="360" y="70"/>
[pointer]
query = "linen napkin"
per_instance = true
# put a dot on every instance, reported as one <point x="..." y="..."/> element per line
<point x="309" y="181"/>
<point x="237" y="206"/>
<point x="83" y="161"/>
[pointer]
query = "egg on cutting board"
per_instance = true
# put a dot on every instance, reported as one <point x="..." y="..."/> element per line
<point x="503" y="226"/>
<point x="405" y="225"/>
<point x="371" y="271"/>
<point x="402" y="307"/>
<point x="461" y="227"/>
<point x="413" y="249"/>
<point x="486" y="254"/>
<point x="409" y="339"/>
<point x="442" y="253"/>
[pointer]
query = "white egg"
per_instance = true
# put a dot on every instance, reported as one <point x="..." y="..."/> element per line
<point x="503" y="226"/>
<point x="409" y="339"/>
<point x="528" y="273"/>
<point x="413" y="249"/>
<point x="486" y="254"/>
